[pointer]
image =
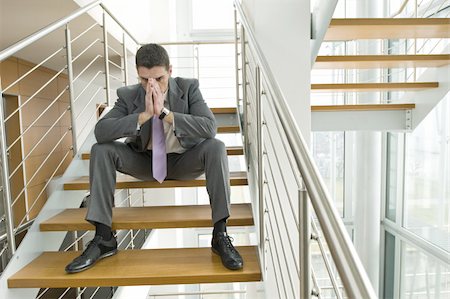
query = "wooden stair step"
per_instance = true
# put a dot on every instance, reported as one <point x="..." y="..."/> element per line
<point x="150" y="218"/>
<point x="231" y="151"/>
<point x="380" y="61"/>
<point x="363" y="107"/>
<point x="342" y="87"/>
<point x="224" y="110"/>
<point x="229" y="129"/>
<point x="237" y="178"/>
<point x="387" y="28"/>
<point x="138" y="267"/>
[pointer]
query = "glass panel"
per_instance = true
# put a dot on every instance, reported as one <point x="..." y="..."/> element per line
<point x="389" y="265"/>
<point x="394" y="169"/>
<point x="212" y="14"/>
<point x="427" y="178"/>
<point x="328" y="152"/>
<point x="422" y="276"/>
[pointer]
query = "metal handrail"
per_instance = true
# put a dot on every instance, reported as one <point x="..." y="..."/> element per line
<point x="58" y="24"/>
<point x="119" y="23"/>
<point x="199" y="42"/>
<point x="11" y="50"/>
<point x="46" y="30"/>
<point x="350" y="268"/>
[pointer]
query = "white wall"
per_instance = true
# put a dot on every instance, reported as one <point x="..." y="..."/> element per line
<point x="282" y="28"/>
<point x="127" y="13"/>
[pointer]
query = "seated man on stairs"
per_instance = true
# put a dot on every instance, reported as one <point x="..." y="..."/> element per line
<point x="170" y="132"/>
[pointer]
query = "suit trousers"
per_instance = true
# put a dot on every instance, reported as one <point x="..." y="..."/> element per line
<point x="207" y="157"/>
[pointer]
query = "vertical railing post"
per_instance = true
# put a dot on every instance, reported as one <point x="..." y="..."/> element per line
<point x="236" y="57"/>
<point x="259" y="134"/>
<point x="245" y="102"/>
<point x="76" y="247"/>
<point x="106" y="58"/>
<point x="7" y="198"/>
<point x="131" y="230"/>
<point x="305" y="241"/>
<point x="197" y="60"/>
<point x="71" y="90"/>
<point x="125" y="59"/>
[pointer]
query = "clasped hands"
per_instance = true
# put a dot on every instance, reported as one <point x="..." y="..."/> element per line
<point x="154" y="101"/>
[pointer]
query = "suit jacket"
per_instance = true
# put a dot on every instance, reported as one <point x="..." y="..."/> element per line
<point x="194" y="121"/>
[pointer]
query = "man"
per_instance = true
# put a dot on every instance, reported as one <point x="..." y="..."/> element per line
<point x="170" y="135"/>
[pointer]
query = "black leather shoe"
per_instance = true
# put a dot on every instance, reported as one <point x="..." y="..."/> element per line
<point x="95" y="251"/>
<point x="221" y="245"/>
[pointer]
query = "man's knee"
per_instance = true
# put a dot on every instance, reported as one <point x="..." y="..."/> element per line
<point x="215" y="147"/>
<point x="100" y="149"/>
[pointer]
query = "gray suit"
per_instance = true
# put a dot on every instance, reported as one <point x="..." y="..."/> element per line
<point x="195" y="128"/>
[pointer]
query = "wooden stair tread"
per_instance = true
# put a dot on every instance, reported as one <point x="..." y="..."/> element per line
<point x="231" y="151"/>
<point x="228" y="129"/>
<point x="380" y="61"/>
<point x="363" y="107"/>
<point x="373" y="86"/>
<point x="224" y="110"/>
<point x="237" y="178"/>
<point x="138" y="267"/>
<point x="387" y="28"/>
<point x="149" y="218"/>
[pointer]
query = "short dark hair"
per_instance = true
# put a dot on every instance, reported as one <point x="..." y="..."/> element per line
<point x="151" y="55"/>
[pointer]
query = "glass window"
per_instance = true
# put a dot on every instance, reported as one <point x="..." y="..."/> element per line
<point x="212" y="14"/>
<point x="328" y="152"/>
<point x="394" y="173"/>
<point x="389" y="265"/>
<point x="422" y="276"/>
<point x="427" y="177"/>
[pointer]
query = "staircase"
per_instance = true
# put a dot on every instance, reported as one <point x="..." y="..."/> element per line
<point x="385" y="115"/>
<point x="146" y="266"/>
<point x="200" y="265"/>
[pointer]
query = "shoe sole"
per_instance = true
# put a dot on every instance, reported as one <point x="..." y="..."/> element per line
<point x="217" y="252"/>
<point x="108" y="254"/>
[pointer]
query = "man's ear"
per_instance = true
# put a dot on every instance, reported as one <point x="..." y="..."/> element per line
<point x="170" y="70"/>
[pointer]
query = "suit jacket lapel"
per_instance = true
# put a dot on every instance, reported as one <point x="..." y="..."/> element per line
<point x="139" y="101"/>
<point x="177" y="103"/>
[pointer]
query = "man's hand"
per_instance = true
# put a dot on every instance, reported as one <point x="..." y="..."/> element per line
<point x="158" y="97"/>
<point x="149" y="106"/>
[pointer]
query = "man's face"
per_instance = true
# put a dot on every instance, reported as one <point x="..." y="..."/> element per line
<point x="159" y="73"/>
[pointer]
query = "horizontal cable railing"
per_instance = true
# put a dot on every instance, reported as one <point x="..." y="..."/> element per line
<point x="270" y="132"/>
<point x="62" y="109"/>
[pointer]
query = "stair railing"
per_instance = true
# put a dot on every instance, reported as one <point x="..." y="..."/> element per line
<point x="282" y="177"/>
<point x="82" y="96"/>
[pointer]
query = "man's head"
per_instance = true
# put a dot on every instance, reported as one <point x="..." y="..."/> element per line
<point x="152" y="61"/>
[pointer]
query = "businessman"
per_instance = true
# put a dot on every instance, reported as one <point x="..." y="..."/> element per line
<point x="170" y="136"/>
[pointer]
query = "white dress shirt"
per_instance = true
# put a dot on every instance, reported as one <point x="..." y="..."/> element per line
<point x="172" y="143"/>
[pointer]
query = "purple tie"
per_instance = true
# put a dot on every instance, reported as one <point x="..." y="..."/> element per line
<point x="159" y="150"/>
